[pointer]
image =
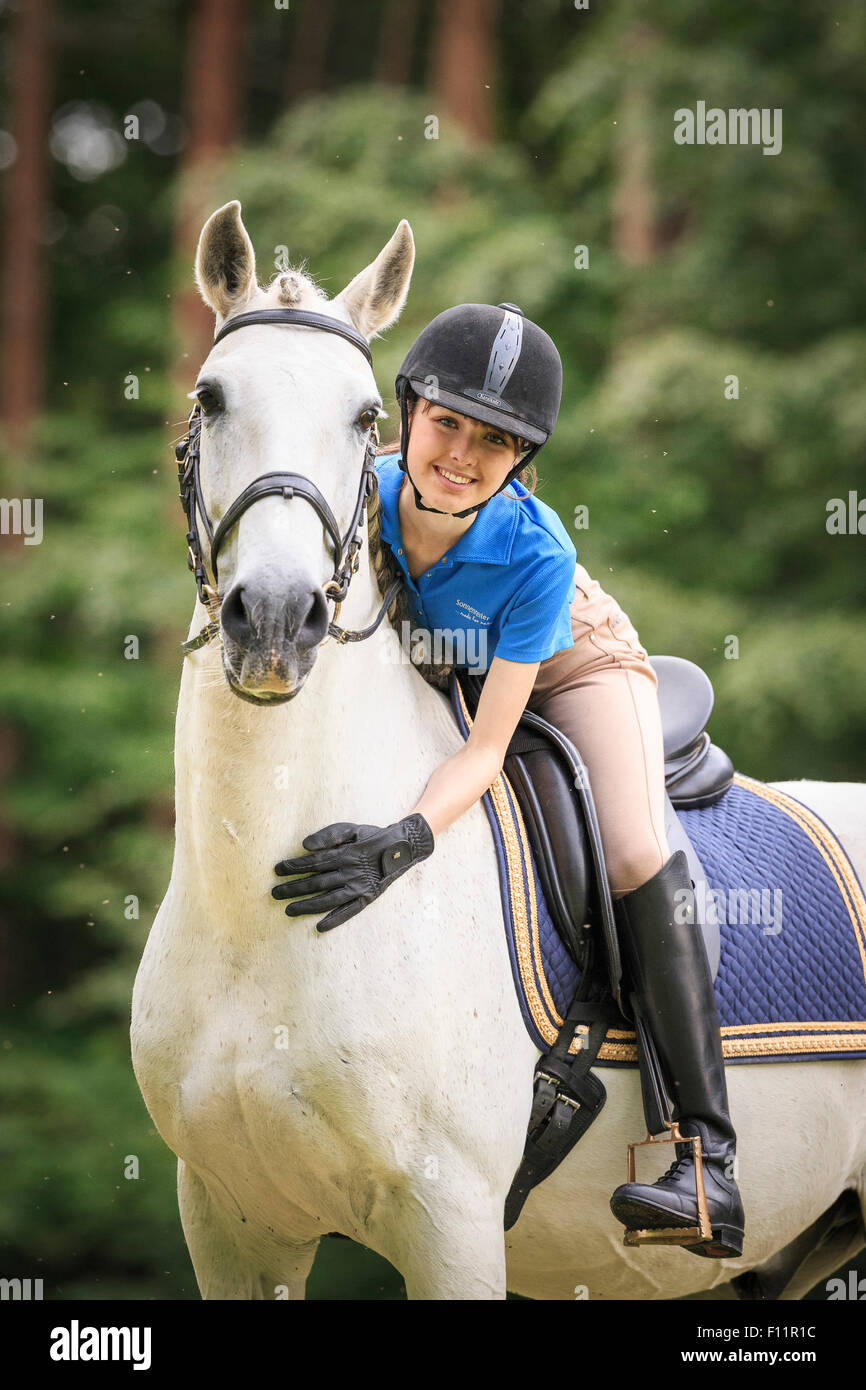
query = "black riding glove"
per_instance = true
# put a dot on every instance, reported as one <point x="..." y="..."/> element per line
<point x="352" y="865"/>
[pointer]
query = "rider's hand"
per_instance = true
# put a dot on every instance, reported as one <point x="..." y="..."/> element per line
<point x="351" y="865"/>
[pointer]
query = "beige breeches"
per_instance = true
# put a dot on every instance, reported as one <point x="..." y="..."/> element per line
<point x="603" y="694"/>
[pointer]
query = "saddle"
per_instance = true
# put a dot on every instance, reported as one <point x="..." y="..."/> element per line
<point x="552" y="787"/>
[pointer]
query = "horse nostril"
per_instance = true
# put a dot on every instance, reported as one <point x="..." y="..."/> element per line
<point x="235" y="616"/>
<point x="250" y="618"/>
<point x="315" y="622"/>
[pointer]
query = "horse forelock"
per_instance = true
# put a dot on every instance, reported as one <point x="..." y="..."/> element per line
<point x="293" y="289"/>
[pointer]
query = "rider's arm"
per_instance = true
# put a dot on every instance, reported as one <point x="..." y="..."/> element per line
<point x="463" y="778"/>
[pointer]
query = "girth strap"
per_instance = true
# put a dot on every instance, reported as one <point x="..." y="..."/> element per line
<point x="568" y="1097"/>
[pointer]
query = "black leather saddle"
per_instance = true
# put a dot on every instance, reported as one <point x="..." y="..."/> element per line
<point x="552" y="788"/>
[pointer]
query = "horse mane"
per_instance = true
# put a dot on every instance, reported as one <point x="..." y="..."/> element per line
<point x="386" y="570"/>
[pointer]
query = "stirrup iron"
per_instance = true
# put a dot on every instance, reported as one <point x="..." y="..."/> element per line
<point x="674" y="1235"/>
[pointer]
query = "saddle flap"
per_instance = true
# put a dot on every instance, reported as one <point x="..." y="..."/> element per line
<point x="554" y="822"/>
<point x="557" y="835"/>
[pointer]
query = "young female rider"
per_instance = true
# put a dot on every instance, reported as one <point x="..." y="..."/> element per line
<point x="479" y="393"/>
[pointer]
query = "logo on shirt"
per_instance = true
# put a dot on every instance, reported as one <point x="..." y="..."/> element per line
<point x="473" y="613"/>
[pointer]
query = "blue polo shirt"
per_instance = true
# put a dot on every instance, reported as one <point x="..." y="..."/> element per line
<point x="504" y="589"/>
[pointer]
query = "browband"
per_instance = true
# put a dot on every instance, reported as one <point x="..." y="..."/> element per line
<point x="302" y="317"/>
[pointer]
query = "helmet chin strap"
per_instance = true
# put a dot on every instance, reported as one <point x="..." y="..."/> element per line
<point x="422" y="506"/>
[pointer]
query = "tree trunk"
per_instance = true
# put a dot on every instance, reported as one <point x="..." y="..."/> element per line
<point x="634" y="233"/>
<point x="214" y="72"/>
<point x="24" y="294"/>
<point x="397" y="41"/>
<point x="306" y="70"/>
<point x="464" y="63"/>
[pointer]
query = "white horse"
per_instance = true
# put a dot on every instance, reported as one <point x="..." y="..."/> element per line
<point x="376" y="1080"/>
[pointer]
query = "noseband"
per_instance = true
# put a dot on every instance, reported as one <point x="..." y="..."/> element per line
<point x="286" y="485"/>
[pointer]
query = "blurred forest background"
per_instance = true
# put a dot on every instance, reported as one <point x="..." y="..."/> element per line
<point x="708" y="515"/>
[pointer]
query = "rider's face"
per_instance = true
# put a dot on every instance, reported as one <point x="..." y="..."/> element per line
<point x="442" y="440"/>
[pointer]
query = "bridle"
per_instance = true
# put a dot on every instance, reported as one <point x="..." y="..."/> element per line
<point x="286" y="485"/>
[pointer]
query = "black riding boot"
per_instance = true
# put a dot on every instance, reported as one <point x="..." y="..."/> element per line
<point x="668" y="964"/>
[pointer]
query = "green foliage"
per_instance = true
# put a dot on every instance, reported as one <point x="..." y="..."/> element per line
<point x="79" y="1218"/>
<point x="707" y="515"/>
<point x="720" y="504"/>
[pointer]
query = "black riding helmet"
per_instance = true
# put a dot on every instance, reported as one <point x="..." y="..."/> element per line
<point x="491" y="363"/>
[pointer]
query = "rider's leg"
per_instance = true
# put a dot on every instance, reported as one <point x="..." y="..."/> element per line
<point x="664" y="952"/>
<point x="603" y="694"/>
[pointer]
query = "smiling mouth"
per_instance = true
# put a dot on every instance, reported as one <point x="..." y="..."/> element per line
<point x="456" y="479"/>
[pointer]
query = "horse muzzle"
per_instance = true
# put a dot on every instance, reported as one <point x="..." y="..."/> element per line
<point x="271" y="639"/>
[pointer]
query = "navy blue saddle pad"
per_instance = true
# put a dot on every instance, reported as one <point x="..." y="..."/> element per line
<point x="791" y="983"/>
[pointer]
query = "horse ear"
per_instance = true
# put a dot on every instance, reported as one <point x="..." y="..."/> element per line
<point x="225" y="262"/>
<point x="375" y="298"/>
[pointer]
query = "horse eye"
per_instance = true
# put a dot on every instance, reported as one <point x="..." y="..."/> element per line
<point x="368" y="417"/>
<point x="208" y="397"/>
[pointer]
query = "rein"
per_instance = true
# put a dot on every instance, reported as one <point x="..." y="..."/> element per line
<point x="287" y="485"/>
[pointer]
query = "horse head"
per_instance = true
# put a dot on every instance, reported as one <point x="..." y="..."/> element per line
<point x="279" y="398"/>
